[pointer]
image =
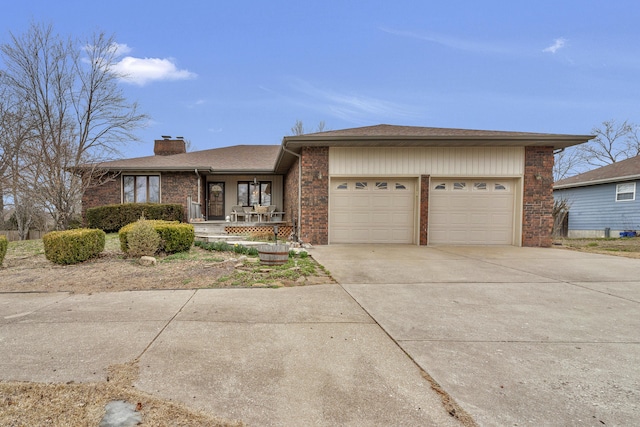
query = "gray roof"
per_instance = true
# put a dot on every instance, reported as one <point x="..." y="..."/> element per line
<point x="235" y="159"/>
<point x="279" y="158"/>
<point x="624" y="170"/>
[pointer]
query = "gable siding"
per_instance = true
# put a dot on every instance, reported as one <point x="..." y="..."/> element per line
<point x="434" y="161"/>
<point x="595" y="208"/>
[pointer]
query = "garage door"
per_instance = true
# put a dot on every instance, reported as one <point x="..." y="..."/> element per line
<point x="371" y="210"/>
<point x="471" y="212"/>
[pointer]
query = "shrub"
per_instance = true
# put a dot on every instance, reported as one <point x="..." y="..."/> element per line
<point x="3" y="247"/>
<point x="142" y="239"/>
<point x="174" y="236"/>
<point x="73" y="246"/>
<point x="113" y="217"/>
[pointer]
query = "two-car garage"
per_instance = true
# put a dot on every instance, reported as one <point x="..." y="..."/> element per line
<point x="386" y="210"/>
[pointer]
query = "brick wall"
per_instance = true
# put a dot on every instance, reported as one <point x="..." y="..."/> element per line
<point x="177" y="186"/>
<point x="424" y="209"/>
<point x="109" y="193"/>
<point x="290" y="202"/>
<point x="537" y="221"/>
<point x="314" y="224"/>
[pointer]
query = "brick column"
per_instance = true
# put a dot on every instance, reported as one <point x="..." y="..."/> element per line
<point x="424" y="209"/>
<point x="537" y="219"/>
<point x="314" y="224"/>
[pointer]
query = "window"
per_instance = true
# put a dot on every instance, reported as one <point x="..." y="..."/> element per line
<point x="626" y="192"/>
<point x="361" y="185"/>
<point x="480" y="186"/>
<point x="382" y="185"/>
<point x="141" y="188"/>
<point x="441" y="186"/>
<point x="251" y="193"/>
<point x="342" y="186"/>
<point x="459" y="186"/>
<point x="400" y="186"/>
<point x="499" y="187"/>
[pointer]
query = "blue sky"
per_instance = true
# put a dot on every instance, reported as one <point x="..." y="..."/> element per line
<point x="224" y="73"/>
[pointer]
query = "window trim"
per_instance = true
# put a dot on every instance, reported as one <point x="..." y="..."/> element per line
<point x="269" y="185"/>
<point x="135" y="176"/>
<point x="619" y="193"/>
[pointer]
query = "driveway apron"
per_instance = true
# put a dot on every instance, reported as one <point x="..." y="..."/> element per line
<point x="516" y="336"/>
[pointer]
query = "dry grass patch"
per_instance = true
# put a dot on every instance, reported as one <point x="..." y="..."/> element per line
<point x="83" y="404"/>
<point x="625" y="247"/>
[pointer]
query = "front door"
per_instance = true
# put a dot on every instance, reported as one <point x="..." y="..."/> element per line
<point x="216" y="201"/>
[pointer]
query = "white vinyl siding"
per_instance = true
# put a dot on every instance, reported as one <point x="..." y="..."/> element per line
<point x="434" y="161"/>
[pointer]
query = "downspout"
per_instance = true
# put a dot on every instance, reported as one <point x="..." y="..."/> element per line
<point x="199" y="188"/>
<point x="284" y="147"/>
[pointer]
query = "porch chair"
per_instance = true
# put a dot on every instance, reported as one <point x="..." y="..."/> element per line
<point x="237" y="211"/>
<point x="270" y="211"/>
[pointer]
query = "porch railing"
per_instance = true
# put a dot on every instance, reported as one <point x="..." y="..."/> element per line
<point x="194" y="209"/>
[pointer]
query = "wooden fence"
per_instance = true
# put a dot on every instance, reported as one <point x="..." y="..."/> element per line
<point x="13" y="235"/>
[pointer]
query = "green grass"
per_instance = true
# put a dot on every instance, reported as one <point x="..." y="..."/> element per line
<point x="292" y="270"/>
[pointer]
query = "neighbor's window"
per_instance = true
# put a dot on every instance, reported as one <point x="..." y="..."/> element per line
<point x="141" y="188"/>
<point x="254" y="193"/>
<point x="626" y="191"/>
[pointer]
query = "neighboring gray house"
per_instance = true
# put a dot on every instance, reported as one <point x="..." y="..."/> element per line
<point x="601" y="199"/>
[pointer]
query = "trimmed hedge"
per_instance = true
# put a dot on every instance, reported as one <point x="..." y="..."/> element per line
<point x="3" y="248"/>
<point x="174" y="236"/>
<point x="73" y="246"/>
<point x="113" y="217"/>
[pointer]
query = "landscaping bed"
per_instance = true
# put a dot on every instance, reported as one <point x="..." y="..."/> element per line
<point x="25" y="269"/>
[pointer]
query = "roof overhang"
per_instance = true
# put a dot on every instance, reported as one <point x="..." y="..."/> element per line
<point x="294" y="144"/>
<point x="597" y="182"/>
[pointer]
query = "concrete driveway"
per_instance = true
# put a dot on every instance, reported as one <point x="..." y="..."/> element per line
<point x="517" y="336"/>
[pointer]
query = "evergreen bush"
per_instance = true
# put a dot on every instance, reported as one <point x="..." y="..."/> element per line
<point x="174" y="236"/>
<point x="73" y="246"/>
<point x="142" y="239"/>
<point x="113" y="217"/>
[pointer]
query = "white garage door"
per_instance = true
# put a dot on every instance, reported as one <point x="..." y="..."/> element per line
<point x="376" y="210"/>
<point x="471" y="212"/>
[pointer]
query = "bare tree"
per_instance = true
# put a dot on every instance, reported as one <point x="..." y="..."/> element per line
<point x="613" y="142"/>
<point x="77" y="114"/>
<point x="298" y="128"/>
<point x="567" y="162"/>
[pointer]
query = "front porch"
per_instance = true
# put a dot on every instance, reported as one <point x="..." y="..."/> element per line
<point x="228" y="230"/>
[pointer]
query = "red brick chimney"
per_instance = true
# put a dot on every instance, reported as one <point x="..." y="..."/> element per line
<point x="168" y="146"/>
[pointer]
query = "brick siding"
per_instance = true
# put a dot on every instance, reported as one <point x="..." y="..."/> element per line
<point x="537" y="219"/>
<point x="291" y="180"/>
<point x="424" y="209"/>
<point x="314" y="224"/>
<point x="175" y="188"/>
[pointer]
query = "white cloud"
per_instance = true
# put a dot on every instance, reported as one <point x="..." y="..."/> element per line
<point x="557" y="45"/>
<point x="120" y="49"/>
<point x="141" y="71"/>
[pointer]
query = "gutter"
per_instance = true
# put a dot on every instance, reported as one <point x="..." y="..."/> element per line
<point x="597" y="182"/>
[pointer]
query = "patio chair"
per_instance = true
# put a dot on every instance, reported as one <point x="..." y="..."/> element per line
<point x="237" y="211"/>
<point x="248" y="210"/>
<point x="270" y="211"/>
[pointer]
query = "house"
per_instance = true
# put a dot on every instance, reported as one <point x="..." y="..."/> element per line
<point x="375" y="184"/>
<point x="602" y="202"/>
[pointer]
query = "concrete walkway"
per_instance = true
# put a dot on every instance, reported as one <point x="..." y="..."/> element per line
<point x="517" y="336"/>
<point x="269" y="357"/>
